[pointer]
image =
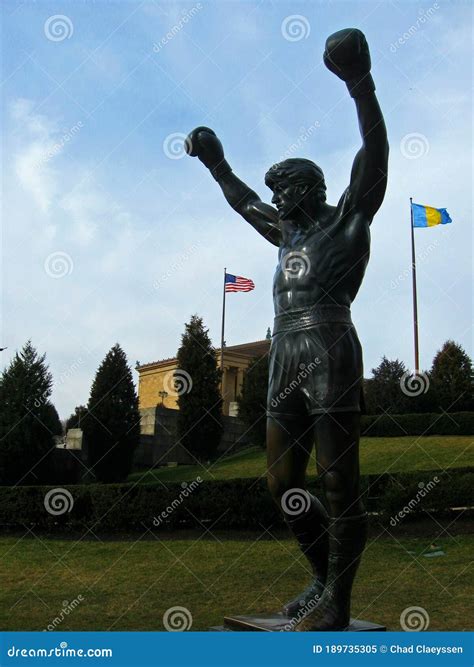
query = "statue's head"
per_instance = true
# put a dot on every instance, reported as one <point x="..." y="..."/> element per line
<point x="294" y="182"/>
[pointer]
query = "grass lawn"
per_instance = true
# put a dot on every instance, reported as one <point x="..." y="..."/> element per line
<point x="377" y="455"/>
<point x="129" y="584"/>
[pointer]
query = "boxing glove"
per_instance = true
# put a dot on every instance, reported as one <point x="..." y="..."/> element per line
<point x="203" y="143"/>
<point x="347" y="56"/>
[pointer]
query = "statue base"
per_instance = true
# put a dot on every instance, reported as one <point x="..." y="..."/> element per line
<point x="279" y="623"/>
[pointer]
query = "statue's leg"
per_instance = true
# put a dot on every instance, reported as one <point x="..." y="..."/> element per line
<point x="289" y="445"/>
<point x="338" y="464"/>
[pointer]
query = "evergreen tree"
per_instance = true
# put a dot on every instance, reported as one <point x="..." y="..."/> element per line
<point x="394" y="389"/>
<point x="111" y="425"/>
<point x="253" y="399"/>
<point x="27" y="423"/>
<point x="451" y="378"/>
<point x="52" y="420"/>
<point x="197" y="381"/>
<point x="383" y="391"/>
<point x="75" y="419"/>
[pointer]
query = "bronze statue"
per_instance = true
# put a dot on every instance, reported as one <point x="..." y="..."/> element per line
<point x="316" y="371"/>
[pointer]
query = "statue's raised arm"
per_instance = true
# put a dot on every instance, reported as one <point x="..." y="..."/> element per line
<point x="347" y="55"/>
<point x="203" y="143"/>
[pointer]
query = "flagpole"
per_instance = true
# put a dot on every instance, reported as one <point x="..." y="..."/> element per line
<point x="222" y="333"/>
<point x="415" y="302"/>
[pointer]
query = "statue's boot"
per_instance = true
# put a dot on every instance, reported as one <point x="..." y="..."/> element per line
<point x="347" y="538"/>
<point x="311" y="532"/>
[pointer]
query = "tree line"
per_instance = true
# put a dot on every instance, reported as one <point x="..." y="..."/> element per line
<point x="445" y="387"/>
<point x="110" y="421"/>
<point x="29" y="422"/>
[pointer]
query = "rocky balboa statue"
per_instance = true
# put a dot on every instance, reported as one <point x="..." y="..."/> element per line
<point x="315" y="381"/>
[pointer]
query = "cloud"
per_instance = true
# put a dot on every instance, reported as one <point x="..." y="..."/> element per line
<point x="36" y="137"/>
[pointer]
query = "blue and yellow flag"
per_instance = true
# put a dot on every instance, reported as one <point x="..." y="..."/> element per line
<point x="427" y="216"/>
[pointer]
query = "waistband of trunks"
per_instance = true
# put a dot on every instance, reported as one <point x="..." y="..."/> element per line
<point x="304" y="318"/>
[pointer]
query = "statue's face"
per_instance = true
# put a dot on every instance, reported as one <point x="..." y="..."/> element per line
<point x="287" y="198"/>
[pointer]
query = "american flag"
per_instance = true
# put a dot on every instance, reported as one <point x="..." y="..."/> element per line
<point x="238" y="284"/>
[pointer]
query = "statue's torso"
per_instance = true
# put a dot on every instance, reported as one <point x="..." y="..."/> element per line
<point x="322" y="265"/>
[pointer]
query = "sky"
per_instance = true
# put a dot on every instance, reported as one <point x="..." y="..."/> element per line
<point x="111" y="234"/>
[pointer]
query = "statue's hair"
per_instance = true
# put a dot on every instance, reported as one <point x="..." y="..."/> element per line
<point x="297" y="171"/>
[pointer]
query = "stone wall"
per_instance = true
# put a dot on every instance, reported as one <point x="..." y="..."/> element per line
<point x="73" y="439"/>
<point x="159" y="440"/>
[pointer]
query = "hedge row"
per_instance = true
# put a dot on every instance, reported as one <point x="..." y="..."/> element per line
<point x="456" y="423"/>
<point x="229" y="504"/>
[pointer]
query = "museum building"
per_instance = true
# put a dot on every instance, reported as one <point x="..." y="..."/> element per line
<point x="156" y="384"/>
